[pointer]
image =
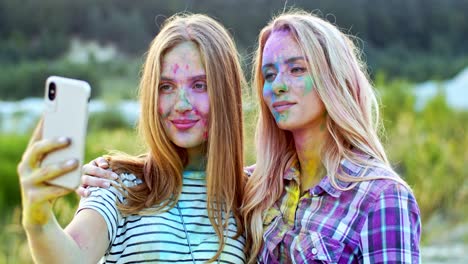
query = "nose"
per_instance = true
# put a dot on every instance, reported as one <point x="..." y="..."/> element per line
<point x="278" y="85"/>
<point x="183" y="103"/>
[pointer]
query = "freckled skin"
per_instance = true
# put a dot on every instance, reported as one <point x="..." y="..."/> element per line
<point x="290" y="80"/>
<point x="183" y="95"/>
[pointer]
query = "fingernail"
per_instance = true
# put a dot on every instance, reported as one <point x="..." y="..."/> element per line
<point x="63" y="140"/>
<point x="71" y="162"/>
<point x="114" y="175"/>
<point x="106" y="184"/>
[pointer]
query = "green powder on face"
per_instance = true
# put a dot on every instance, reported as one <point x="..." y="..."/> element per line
<point x="309" y="84"/>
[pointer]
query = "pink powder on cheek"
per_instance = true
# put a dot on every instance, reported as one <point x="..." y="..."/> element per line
<point x="205" y="134"/>
<point x="161" y="112"/>
<point x="204" y="122"/>
<point x="175" y="68"/>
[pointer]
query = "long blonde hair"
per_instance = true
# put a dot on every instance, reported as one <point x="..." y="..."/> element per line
<point x="161" y="168"/>
<point x="352" y="117"/>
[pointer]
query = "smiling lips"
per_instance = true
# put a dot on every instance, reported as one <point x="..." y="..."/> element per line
<point x="281" y="106"/>
<point x="184" y="124"/>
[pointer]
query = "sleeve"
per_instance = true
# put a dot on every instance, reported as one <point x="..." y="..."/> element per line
<point x="391" y="233"/>
<point x="104" y="201"/>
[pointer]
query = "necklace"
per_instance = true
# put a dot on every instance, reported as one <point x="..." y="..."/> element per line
<point x="186" y="233"/>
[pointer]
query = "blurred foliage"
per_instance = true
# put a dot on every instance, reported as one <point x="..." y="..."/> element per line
<point x="108" y="119"/>
<point x="418" y="39"/>
<point x="428" y="148"/>
<point x="27" y="79"/>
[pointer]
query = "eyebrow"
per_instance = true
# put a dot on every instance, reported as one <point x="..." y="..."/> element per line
<point x="290" y="60"/>
<point x="191" y="78"/>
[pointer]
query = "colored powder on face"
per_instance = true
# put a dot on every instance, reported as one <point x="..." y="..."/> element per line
<point x="309" y="84"/>
<point x="176" y="68"/>
<point x="197" y="113"/>
<point x="283" y="88"/>
<point x="279" y="117"/>
<point x="183" y="97"/>
<point x="267" y="91"/>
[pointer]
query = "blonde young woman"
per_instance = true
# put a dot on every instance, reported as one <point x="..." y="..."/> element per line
<point x="322" y="190"/>
<point x="180" y="201"/>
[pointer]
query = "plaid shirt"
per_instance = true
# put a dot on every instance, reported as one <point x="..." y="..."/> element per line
<point x="377" y="221"/>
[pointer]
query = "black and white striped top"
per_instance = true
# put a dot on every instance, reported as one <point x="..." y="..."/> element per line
<point x="160" y="237"/>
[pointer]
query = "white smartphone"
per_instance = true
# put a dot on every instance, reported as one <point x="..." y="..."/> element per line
<point x="66" y="115"/>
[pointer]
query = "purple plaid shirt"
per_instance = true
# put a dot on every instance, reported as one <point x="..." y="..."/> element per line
<point x="376" y="222"/>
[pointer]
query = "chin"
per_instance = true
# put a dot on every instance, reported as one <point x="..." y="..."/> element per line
<point x="289" y="125"/>
<point x="188" y="143"/>
<point x="284" y="125"/>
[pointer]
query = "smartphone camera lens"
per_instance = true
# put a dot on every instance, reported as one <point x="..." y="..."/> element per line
<point x="52" y="91"/>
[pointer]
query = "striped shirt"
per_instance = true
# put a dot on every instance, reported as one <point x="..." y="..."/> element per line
<point x="161" y="237"/>
<point x="377" y="221"/>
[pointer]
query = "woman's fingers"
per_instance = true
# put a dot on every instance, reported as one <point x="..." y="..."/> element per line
<point x="39" y="149"/>
<point x="36" y="193"/>
<point x="82" y="191"/>
<point x="49" y="172"/>
<point x="97" y="174"/>
<point x="37" y="209"/>
<point x="95" y="171"/>
<point x="88" y="180"/>
<point x="38" y="196"/>
<point x="101" y="163"/>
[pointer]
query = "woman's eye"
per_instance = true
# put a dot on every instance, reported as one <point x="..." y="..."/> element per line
<point x="200" y="86"/>
<point x="270" y="77"/>
<point x="166" y="88"/>
<point x="298" y="70"/>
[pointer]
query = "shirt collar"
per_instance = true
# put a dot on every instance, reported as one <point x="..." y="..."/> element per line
<point x="346" y="166"/>
<point x="325" y="185"/>
<point x="194" y="175"/>
<point x="292" y="174"/>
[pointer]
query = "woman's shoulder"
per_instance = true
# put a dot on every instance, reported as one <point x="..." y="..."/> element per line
<point x="116" y="192"/>
<point x="387" y="188"/>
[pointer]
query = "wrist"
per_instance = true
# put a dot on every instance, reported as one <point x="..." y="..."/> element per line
<point x="36" y="221"/>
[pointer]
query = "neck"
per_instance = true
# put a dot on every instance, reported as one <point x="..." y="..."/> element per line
<point x="196" y="159"/>
<point x="308" y="143"/>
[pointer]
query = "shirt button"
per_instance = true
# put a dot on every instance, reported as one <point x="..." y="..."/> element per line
<point x="314" y="251"/>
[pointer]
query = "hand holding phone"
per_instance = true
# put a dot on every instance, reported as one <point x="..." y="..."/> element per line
<point x="66" y="115"/>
